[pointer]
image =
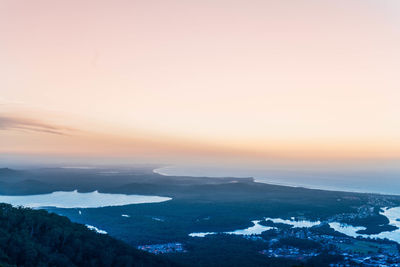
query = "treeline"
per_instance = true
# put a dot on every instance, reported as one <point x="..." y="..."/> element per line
<point x="227" y="250"/>
<point x="236" y="251"/>
<point x="38" y="238"/>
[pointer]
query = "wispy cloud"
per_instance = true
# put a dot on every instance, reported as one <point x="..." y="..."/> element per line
<point x="27" y="124"/>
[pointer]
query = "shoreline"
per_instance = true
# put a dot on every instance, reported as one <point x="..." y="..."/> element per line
<point x="270" y="182"/>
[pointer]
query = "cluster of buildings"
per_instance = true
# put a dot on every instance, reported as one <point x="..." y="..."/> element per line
<point x="372" y="260"/>
<point x="364" y="211"/>
<point x="355" y="251"/>
<point x="289" y="252"/>
<point x="163" y="248"/>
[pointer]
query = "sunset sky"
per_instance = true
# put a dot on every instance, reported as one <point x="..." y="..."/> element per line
<point x="185" y="80"/>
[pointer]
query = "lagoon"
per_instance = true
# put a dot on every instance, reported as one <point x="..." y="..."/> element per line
<point x="294" y="223"/>
<point x="75" y="199"/>
<point x="393" y="214"/>
<point x="256" y="229"/>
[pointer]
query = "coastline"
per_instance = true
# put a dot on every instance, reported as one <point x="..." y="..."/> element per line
<point x="161" y="171"/>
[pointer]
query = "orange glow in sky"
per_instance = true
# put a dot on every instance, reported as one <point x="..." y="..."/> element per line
<point x="174" y="79"/>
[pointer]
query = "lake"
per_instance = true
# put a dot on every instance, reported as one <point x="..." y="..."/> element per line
<point x="75" y="199"/>
<point x="393" y="214"/>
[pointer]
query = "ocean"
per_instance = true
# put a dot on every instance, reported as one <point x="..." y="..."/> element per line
<point x="365" y="179"/>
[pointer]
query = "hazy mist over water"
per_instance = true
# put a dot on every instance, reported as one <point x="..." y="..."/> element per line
<point x="371" y="179"/>
<point x="374" y="175"/>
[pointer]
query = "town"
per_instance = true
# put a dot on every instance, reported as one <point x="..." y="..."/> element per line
<point x="163" y="248"/>
<point x="302" y="244"/>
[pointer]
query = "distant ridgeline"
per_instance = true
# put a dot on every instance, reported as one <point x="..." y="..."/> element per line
<point x="38" y="238"/>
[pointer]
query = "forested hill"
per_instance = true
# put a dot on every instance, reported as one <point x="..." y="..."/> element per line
<point x="38" y="238"/>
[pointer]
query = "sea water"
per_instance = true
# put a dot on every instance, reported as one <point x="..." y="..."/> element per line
<point x="381" y="180"/>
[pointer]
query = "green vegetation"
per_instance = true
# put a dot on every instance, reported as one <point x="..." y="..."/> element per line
<point x="37" y="238"/>
<point x="227" y="250"/>
<point x="198" y="205"/>
<point x="304" y="244"/>
<point x="374" y="224"/>
<point x="366" y="247"/>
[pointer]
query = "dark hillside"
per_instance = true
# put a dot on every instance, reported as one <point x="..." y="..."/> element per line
<point x="38" y="238"/>
<point x="10" y="175"/>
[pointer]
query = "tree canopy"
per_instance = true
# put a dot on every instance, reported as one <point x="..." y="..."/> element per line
<point x="38" y="238"/>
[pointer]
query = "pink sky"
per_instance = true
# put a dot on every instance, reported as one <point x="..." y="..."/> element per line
<point x="177" y="79"/>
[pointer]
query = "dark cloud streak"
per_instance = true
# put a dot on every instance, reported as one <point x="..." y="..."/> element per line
<point x="27" y="124"/>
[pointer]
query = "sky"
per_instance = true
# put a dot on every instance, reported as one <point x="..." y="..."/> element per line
<point x="185" y="80"/>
